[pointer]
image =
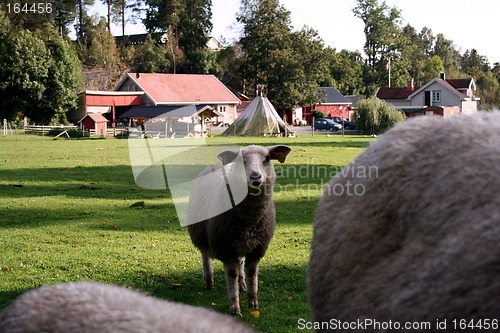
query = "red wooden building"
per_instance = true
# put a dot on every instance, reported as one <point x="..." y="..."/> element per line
<point x="94" y="121"/>
<point x="111" y="104"/>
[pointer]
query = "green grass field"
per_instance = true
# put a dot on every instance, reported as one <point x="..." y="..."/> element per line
<point x="65" y="215"/>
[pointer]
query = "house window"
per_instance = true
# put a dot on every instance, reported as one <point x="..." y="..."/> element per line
<point x="436" y="96"/>
<point x="222" y="109"/>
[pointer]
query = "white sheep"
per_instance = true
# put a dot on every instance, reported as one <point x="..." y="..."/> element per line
<point x="87" y="307"/>
<point x="420" y="240"/>
<point x="243" y="231"/>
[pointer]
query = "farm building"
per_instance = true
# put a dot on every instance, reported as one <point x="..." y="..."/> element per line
<point x="170" y="120"/>
<point x="95" y="122"/>
<point x="182" y="89"/>
<point x="146" y="89"/>
<point x="439" y="96"/>
<point x="332" y="102"/>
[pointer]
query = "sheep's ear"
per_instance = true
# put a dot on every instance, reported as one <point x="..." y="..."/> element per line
<point x="279" y="152"/>
<point x="227" y="156"/>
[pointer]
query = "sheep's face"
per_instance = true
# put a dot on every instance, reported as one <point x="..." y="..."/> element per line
<point x="258" y="166"/>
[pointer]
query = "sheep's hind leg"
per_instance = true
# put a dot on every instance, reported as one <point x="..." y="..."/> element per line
<point x="208" y="272"/>
<point x="241" y="277"/>
<point x="232" y="271"/>
<point x="252" y="273"/>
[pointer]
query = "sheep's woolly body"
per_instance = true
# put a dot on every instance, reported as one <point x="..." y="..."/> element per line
<point x="243" y="231"/>
<point x="93" y="307"/>
<point x="422" y="241"/>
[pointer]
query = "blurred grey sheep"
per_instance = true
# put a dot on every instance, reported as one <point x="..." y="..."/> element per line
<point x="420" y="240"/>
<point x="86" y="307"/>
<point x="243" y="231"/>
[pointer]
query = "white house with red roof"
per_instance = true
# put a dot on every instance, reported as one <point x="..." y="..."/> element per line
<point x="181" y="89"/>
<point x="438" y="96"/>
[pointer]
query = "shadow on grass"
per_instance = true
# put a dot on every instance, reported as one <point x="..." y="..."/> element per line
<point x="86" y="190"/>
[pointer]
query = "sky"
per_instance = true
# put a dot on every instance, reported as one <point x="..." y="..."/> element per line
<point x="469" y="24"/>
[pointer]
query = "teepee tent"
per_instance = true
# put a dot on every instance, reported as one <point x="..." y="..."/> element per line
<point x="259" y="119"/>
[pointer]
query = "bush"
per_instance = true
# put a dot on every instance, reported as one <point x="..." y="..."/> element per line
<point x="318" y="114"/>
<point x="376" y="116"/>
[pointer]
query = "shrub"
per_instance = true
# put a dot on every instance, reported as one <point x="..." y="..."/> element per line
<point x="376" y="116"/>
<point x="318" y="114"/>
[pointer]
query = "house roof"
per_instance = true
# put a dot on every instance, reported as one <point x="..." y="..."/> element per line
<point x="395" y="93"/>
<point x="96" y="117"/>
<point x="178" y="89"/>
<point x="460" y="83"/>
<point x="170" y="111"/>
<point x="332" y="96"/>
<point x="408" y="93"/>
<point x="353" y="98"/>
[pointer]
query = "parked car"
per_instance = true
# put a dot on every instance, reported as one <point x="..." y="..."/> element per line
<point x="326" y="124"/>
<point x="348" y="125"/>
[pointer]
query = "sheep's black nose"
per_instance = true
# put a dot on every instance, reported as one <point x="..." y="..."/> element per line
<point x="255" y="175"/>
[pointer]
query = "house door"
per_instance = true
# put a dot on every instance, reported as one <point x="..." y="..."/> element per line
<point x="427" y="98"/>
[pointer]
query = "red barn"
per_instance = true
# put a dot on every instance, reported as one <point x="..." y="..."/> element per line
<point x="94" y="121"/>
<point x="334" y="104"/>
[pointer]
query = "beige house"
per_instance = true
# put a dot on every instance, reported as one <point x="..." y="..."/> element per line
<point x="438" y="92"/>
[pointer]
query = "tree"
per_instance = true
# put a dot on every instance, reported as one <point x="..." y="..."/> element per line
<point x="195" y="25"/>
<point x="277" y="58"/>
<point x="445" y="49"/>
<point x="381" y="31"/>
<point x="346" y="71"/>
<point x="151" y="57"/>
<point x="376" y="116"/>
<point x="164" y="16"/>
<point x="39" y="80"/>
<point x="431" y="68"/>
<point x="82" y="19"/>
<point x="489" y="90"/>
<point x="474" y="64"/>
<point x="121" y="7"/>
<point x="229" y="68"/>
<point x="266" y="36"/>
<point x="64" y="82"/>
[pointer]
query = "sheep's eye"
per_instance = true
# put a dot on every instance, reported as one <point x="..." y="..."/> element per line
<point x="267" y="159"/>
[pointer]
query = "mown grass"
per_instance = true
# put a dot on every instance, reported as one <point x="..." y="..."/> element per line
<point x="65" y="215"/>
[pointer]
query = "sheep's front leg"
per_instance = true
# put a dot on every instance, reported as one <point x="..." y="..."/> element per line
<point x="208" y="272"/>
<point x="252" y="273"/>
<point x="241" y="277"/>
<point x="232" y="270"/>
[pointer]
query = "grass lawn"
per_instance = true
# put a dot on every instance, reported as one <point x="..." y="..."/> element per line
<point x="65" y="215"/>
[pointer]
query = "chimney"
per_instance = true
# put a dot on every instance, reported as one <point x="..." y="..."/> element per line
<point x="411" y="84"/>
<point x="442" y="75"/>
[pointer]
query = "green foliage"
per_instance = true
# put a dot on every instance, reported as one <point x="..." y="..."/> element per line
<point x="376" y="116"/>
<point x="431" y="68"/>
<point x="188" y="25"/>
<point x="346" y="71"/>
<point x="290" y="64"/>
<point x="39" y="79"/>
<point x="489" y="90"/>
<point x="318" y="114"/>
<point x="151" y="57"/>
<point x="381" y="30"/>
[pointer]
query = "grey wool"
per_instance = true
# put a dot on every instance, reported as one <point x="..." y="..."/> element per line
<point x="420" y="240"/>
<point x="243" y="231"/>
<point x="87" y="307"/>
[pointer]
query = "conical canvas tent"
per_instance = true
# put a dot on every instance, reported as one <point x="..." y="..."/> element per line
<point x="259" y="119"/>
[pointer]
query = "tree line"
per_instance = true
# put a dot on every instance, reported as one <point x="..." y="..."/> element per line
<point x="40" y="67"/>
